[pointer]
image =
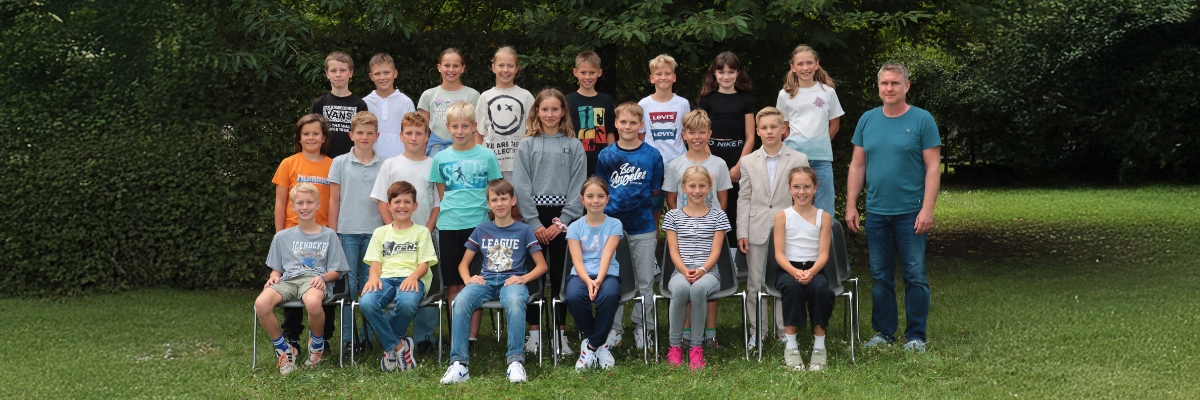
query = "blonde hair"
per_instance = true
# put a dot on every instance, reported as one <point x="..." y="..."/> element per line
<point x="662" y="60"/>
<point x="631" y="108"/>
<point x="535" y="123"/>
<point x="587" y="57"/>
<point x="363" y="118"/>
<point x="339" y="56"/>
<point x="460" y="110"/>
<point x="413" y="118"/>
<point x="767" y="112"/>
<point x="380" y="59"/>
<point x="696" y="170"/>
<point x="696" y="120"/>
<point x="508" y="51"/>
<point x="894" y="67"/>
<point x="791" y="84"/>
<point x="304" y="187"/>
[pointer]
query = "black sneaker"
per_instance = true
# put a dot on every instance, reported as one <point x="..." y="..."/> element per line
<point x="362" y="346"/>
<point x="424" y="347"/>
<point x="471" y="344"/>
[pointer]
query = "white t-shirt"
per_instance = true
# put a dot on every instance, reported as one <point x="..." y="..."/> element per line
<point x="436" y="100"/>
<point x="717" y="169"/>
<point x="663" y="125"/>
<point x="400" y="168"/>
<point x="389" y="111"/>
<point x="502" y="115"/>
<point x="808" y="116"/>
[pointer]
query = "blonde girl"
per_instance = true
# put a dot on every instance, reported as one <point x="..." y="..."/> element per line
<point x="813" y="114"/>
<point x="436" y="100"/>
<point x="802" y="239"/>
<point x="502" y="111"/>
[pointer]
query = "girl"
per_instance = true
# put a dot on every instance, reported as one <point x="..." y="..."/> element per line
<point x="802" y="238"/>
<point x="433" y="102"/>
<point x="695" y="234"/>
<point x="549" y="165"/>
<point x="813" y="114"/>
<point x="501" y="111"/>
<point x="595" y="278"/>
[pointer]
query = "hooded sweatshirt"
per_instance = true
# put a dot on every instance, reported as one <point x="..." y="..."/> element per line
<point x="549" y="170"/>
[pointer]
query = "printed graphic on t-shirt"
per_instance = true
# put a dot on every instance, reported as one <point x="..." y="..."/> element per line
<point x="392" y="248"/>
<point x="590" y="243"/>
<point x="465" y="174"/>
<point x="591" y="127"/>
<point x="662" y="125"/>
<point x="499" y="253"/>
<point x="726" y="144"/>
<point x="339" y="117"/>
<point x="505" y="112"/>
<point x="308" y="254"/>
<point x="317" y="180"/>
<point x="819" y="102"/>
<point x="439" y="108"/>
<point x="625" y="175"/>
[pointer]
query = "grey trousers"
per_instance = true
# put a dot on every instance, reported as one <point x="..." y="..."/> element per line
<point x="757" y="258"/>
<point x="695" y="293"/>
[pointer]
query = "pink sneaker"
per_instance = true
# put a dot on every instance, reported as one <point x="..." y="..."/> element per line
<point x="675" y="356"/>
<point x="696" y="358"/>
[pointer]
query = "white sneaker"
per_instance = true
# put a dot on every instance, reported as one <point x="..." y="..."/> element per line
<point x="531" y="345"/>
<point x="516" y="373"/>
<point x="639" y="338"/>
<point x="564" y="348"/>
<point x="587" y="358"/>
<point x="614" y="338"/>
<point x="604" y="357"/>
<point x="457" y="373"/>
<point x="752" y="342"/>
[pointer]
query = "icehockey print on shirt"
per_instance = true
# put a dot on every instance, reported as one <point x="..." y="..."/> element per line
<point x="339" y="117"/>
<point x="591" y="127"/>
<point x="308" y="254"/>
<point x="465" y="174"/>
<point x="506" y="113"/>
<point x="663" y="125"/>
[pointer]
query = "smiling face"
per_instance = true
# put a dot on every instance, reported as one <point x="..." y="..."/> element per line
<point x="505" y="67"/>
<point x="696" y="187"/>
<point x="305" y="205"/>
<point x="663" y="78"/>
<point x="383" y="75"/>
<point x="594" y="199"/>
<point x="726" y="78"/>
<point x="697" y="139"/>
<point x="461" y="130"/>
<point x="770" y="129"/>
<point x="311" y="138"/>
<point x="805" y="65"/>
<point x="338" y="73"/>
<point x="893" y="89"/>
<point x="414" y="137"/>
<point x="402" y="207"/>
<point x="587" y="75"/>
<point x="628" y="125"/>
<point x="501" y="204"/>
<point x="549" y="112"/>
<point x="451" y="67"/>
<point x="802" y="188"/>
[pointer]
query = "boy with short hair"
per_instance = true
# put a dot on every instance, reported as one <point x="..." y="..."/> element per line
<point x="413" y="167"/>
<point x="388" y="104"/>
<point x="763" y="192"/>
<point x="634" y="172"/>
<point x="661" y="116"/>
<point x="504" y="245"/>
<point x="303" y="259"/>
<point x="591" y="112"/>
<point x="339" y="105"/>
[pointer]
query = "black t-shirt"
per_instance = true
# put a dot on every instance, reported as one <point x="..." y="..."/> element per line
<point x="592" y="119"/>
<point x="728" y="115"/>
<point x="339" y="111"/>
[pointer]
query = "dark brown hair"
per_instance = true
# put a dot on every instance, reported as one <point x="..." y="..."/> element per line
<point x="308" y="119"/>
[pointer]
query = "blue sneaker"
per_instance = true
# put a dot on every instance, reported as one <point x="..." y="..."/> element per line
<point x="877" y="340"/>
<point x="916" y="345"/>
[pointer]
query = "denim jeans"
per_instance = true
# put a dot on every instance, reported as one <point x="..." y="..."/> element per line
<point x="593" y="326"/>
<point x="888" y="235"/>
<point x="512" y="297"/>
<point x="825" y="186"/>
<point x="426" y="320"/>
<point x="355" y="247"/>
<point x="390" y="326"/>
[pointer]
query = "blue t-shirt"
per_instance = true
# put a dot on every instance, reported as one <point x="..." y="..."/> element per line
<point x="504" y="250"/>
<point x="466" y="175"/>
<point x="632" y="176"/>
<point x="895" y="165"/>
<point x="592" y="241"/>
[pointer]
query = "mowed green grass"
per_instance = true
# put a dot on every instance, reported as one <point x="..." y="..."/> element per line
<point x="1078" y="293"/>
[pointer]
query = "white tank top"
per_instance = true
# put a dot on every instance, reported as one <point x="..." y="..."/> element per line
<point x="802" y="238"/>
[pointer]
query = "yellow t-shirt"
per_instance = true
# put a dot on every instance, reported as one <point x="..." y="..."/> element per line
<point x="401" y="251"/>
<point x="296" y="169"/>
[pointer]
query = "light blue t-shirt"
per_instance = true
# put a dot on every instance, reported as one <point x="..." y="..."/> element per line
<point x="592" y="241"/>
<point x="466" y="175"/>
<point x="504" y="250"/>
<point x="895" y="166"/>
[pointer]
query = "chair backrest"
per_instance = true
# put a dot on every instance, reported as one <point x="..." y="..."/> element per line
<point x="840" y="259"/>
<point x="770" y="266"/>
<point x="436" y="288"/>
<point x="626" y="268"/>
<point x="668" y="268"/>
<point x="725" y="268"/>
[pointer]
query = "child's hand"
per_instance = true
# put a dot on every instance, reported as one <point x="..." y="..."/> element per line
<point x="318" y="282"/>
<point x="512" y="280"/>
<point x="477" y="279"/>
<point x="593" y="289"/>
<point x="409" y="284"/>
<point x="805" y="277"/>
<point x="271" y="282"/>
<point x="798" y="276"/>
<point x="373" y="284"/>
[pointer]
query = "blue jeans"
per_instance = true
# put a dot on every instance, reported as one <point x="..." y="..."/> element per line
<point x="825" y="187"/>
<point x="390" y="326"/>
<point x="594" y="326"/>
<point x="888" y="235"/>
<point x="426" y="320"/>
<point x="355" y="247"/>
<point x="512" y="297"/>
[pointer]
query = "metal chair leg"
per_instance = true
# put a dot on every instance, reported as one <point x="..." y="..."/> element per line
<point x="439" y="307"/>
<point x="254" y="345"/>
<point x="745" y="328"/>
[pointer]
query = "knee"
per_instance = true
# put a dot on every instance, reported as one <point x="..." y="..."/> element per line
<point x="264" y="305"/>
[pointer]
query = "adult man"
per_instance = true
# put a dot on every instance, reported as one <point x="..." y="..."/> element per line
<point x="897" y="149"/>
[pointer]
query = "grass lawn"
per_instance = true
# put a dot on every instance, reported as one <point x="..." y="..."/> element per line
<point x="1078" y="293"/>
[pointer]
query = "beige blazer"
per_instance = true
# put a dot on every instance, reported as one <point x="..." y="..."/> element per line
<point x="757" y="202"/>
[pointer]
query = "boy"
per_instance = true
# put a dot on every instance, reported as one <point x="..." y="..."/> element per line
<point x="412" y="167"/>
<point x="388" y="104"/>
<point x="351" y="211"/>
<point x="504" y="244"/>
<point x="591" y="112"/>
<point x="339" y="105"/>
<point x="634" y="172"/>
<point x="303" y="260"/>
<point x="763" y="192"/>
<point x="662" y="112"/>
<point x="400" y="254"/>
<point x="461" y="174"/>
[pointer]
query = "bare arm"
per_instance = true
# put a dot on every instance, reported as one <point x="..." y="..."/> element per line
<point x="281" y="203"/>
<point x="834" y="126"/>
<point x="854" y="186"/>
<point x="433" y="216"/>
<point x="384" y="212"/>
<point x="672" y="200"/>
<point x="933" y="183"/>
<point x="723" y="199"/>
<point x="673" y="249"/>
<point x="610" y="248"/>
<point x="335" y="199"/>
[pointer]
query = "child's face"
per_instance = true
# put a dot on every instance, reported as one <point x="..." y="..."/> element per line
<point x="505" y="67"/>
<point x="697" y="139"/>
<point x="364" y="136"/>
<point x="696" y="187"/>
<point x="414" y="137"/>
<point x="338" y="73"/>
<point x="384" y="75"/>
<point x="771" y="129"/>
<point x="305" y="205"/>
<point x="805" y="65"/>
<point x="594" y="199"/>
<point x="628" y="125"/>
<point x="451" y="67"/>
<point x="501" y="204"/>
<point x="663" y="77"/>
<point x="461" y="130"/>
<point x="587" y="75"/>
<point x="726" y="77"/>
<point x="402" y="207"/>
<point x="550" y="112"/>
<point x="802" y="188"/>
<point x="311" y="138"/>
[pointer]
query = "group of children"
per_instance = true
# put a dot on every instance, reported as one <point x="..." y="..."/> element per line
<point x="543" y="184"/>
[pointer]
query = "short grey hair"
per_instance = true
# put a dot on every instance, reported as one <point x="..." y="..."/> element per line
<point x="894" y="67"/>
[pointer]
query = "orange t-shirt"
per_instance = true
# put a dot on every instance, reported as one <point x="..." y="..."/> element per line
<point x="296" y="169"/>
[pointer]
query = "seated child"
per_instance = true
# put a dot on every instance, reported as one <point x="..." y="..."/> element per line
<point x="595" y="278"/>
<point x="303" y="259"/>
<point x="504" y="244"/>
<point x="400" y="254"/>
<point x="802" y="239"/>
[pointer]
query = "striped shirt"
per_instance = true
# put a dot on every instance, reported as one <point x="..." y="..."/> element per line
<point x="695" y="234"/>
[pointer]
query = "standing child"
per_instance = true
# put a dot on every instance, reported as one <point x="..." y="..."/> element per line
<point x="802" y="238"/>
<point x="303" y="259"/>
<point x="595" y="278"/>
<point x="634" y="173"/>
<point x="389" y="106"/>
<point x="400" y="254"/>
<point x="695" y="234"/>
<point x="591" y="111"/>
<point x="413" y="167"/>
<point x="550" y="166"/>
<point x="434" y="102"/>
<point x="339" y="105"/>
<point x="504" y="245"/>
<point x="352" y="213"/>
<point x="502" y="110"/>
<point x="662" y="113"/>
<point x="726" y="96"/>
<point x="763" y="192"/>
<point x="813" y="114"/>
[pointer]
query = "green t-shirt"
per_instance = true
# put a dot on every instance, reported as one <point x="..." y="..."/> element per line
<point x="895" y="165"/>
<point x="466" y="175"/>
<point x="401" y="251"/>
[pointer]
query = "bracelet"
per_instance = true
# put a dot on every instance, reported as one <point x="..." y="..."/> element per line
<point x="557" y="222"/>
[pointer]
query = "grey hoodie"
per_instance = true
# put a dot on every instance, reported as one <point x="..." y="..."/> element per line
<point x="549" y="170"/>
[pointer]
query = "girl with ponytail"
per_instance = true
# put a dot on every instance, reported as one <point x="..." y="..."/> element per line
<point x="813" y="115"/>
